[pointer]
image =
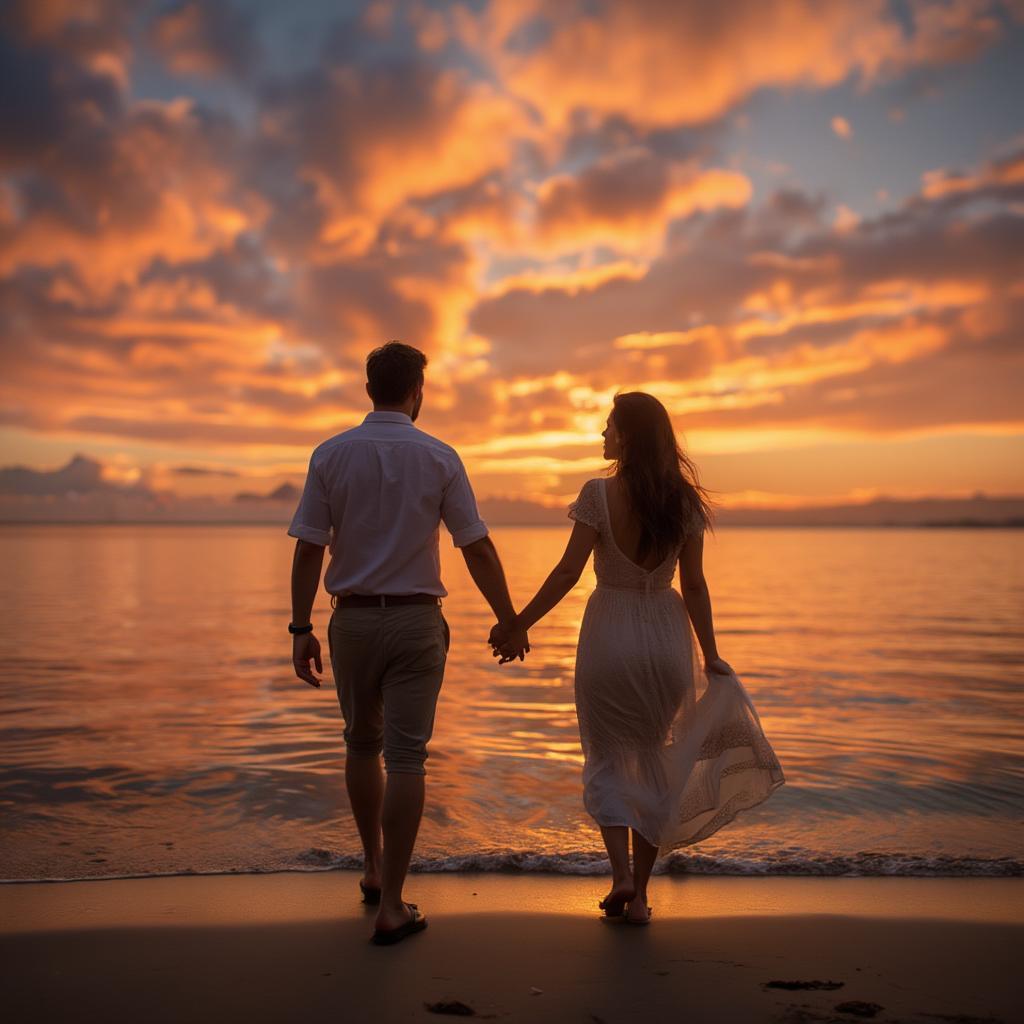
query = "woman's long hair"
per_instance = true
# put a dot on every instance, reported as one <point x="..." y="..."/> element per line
<point x="661" y="481"/>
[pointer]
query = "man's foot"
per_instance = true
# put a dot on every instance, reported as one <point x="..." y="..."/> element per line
<point x="638" y="912"/>
<point x="614" y="904"/>
<point x="393" y="928"/>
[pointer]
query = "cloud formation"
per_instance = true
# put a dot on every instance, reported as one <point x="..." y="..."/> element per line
<point x="81" y="475"/>
<point x="204" y="228"/>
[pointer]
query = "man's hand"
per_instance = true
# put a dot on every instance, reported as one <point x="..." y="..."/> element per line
<point x="508" y="642"/>
<point x="306" y="647"/>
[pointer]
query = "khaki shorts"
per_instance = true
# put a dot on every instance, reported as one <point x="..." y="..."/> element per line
<point x="388" y="665"/>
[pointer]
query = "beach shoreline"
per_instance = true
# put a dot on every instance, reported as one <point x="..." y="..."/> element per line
<point x="513" y="947"/>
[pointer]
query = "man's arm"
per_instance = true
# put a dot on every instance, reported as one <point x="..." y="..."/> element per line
<point x="307" y="564"/>
<point x="485" y="567"/>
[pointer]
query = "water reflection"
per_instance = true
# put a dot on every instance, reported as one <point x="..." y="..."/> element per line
<point x="160" y="728"/>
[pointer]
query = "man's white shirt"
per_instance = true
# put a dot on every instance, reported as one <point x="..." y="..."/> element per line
<point x="376" y="495"/>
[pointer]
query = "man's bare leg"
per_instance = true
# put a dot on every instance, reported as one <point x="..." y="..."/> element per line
<point x="364" y="780"/>
<point x="403" y="808"/>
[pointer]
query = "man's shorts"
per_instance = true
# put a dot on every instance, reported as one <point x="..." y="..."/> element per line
<point x="388" y="665"/>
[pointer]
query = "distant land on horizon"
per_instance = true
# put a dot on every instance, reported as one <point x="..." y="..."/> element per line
<point x="81" y="492"/>
<point x="979" y="511"/>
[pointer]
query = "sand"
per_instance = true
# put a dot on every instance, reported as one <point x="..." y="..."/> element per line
<point x="293" y="947"/>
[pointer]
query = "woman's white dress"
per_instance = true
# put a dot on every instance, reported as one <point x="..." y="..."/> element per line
<point x="669" y="750"/>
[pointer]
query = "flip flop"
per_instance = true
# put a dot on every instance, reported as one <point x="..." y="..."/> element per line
<point x="371" y="893"/>
<point x="390" y="936"/>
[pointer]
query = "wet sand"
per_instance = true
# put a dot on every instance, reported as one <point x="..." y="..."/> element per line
<point x="290" y="947"/>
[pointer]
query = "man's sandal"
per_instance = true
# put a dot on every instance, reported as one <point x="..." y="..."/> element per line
<point x="389" y="936"/>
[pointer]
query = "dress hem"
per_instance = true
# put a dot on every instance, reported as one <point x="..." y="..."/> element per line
<point x="663" y="850"/>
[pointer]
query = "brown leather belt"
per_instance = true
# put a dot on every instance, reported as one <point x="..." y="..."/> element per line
<point x="381" y="600"/>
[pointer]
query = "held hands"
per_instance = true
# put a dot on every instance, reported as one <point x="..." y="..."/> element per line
<point x="508" y="642"/>
<point x="717" y="666"/>
<point x="306" y="647"/>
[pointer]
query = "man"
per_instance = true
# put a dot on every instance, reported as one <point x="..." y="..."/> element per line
<point x="377" y="494"/>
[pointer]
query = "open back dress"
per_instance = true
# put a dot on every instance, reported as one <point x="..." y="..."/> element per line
<point x="669" y="750"/>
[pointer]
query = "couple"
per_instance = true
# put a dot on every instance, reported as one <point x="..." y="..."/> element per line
<point x="673" y="749"/>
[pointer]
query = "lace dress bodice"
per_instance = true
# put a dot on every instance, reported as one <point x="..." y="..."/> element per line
<point x="611" y="566"/>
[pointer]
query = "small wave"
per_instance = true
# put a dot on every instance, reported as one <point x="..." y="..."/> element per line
<point x="866" y="864"/>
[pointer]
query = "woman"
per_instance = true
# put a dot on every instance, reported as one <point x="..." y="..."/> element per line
<point x="673" y="750"/>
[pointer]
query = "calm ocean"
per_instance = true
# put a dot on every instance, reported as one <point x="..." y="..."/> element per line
<point x="151" y="724"/>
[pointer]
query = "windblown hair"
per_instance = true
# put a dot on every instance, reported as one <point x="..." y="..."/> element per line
<point x="660" y="479"/>
<point x="392" y="371"/>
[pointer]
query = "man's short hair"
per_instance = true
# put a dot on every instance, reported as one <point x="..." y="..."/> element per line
<point x="392" y="371"/>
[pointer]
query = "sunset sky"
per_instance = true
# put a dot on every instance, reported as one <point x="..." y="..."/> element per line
<point x="799" y="224"/>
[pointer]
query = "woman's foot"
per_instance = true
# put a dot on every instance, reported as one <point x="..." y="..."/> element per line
<point x="638" y="912"/>
<point x="614" y="904"/>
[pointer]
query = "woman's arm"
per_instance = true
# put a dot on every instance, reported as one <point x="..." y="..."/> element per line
<point x="694" y="588"/>
<point x="560" y="581"/>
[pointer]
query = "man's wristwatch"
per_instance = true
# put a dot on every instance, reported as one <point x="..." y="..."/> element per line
<point x="299" y="630"/>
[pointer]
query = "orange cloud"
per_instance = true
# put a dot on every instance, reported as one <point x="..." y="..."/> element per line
<point x="158" y="187"/>
<point x="1008" y="170"/>
<point x="665" y="64"/>
<point x="370" y="140"/>
<point x="842" y="127"/>
<point x="534" y="196"/>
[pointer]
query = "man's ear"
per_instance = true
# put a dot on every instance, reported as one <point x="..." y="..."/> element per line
<point x="368" y="395"/>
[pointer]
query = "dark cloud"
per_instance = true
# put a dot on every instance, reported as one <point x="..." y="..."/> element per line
<point x="792" y="207"/>
<point x="279" y="400"/>
<point x="353" y="305"/>
<point x="45" y="95"/>
<point x="197" y="431"/>
<point x="203" y="471"/>
<point x="81" y="475"/>
<point x="203" y="38"/>
<point x="241" y="275"/>
<point x="285" y="492"/>
<point x="630" y="184"/>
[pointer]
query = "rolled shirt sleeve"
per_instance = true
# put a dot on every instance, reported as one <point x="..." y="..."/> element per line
<point x="459" y="511"/>
<point x="312" y="519"/>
